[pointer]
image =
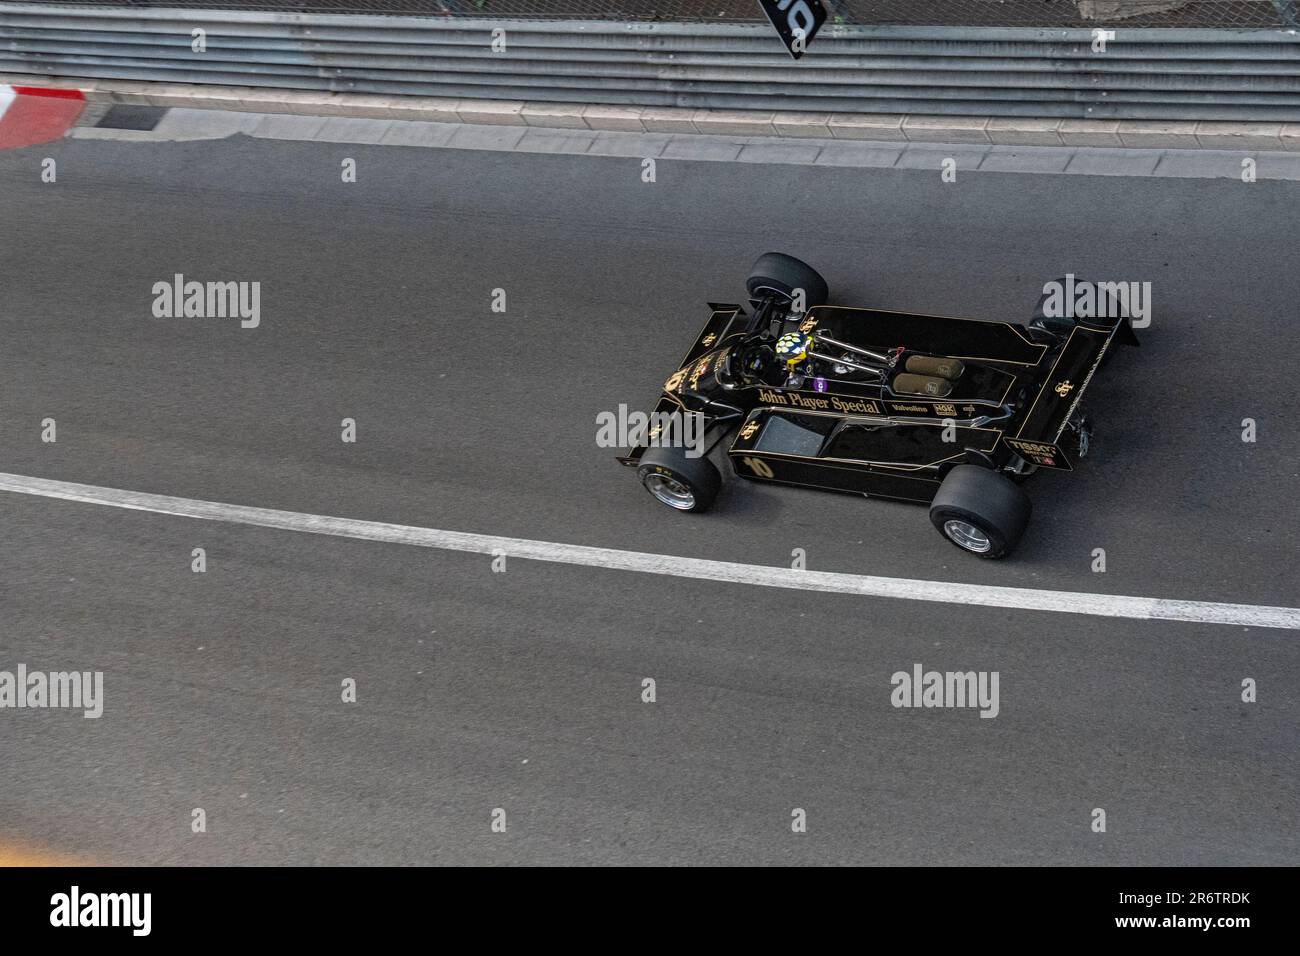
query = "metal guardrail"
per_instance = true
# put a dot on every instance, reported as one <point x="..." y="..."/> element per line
<point x="1218" y="14"/>
<point x="1144" y="73"/>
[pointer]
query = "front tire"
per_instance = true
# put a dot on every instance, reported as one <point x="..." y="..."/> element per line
<point x="681" y="483"/>
<point x="980" y="511"/>
<point x="782" y="274"/>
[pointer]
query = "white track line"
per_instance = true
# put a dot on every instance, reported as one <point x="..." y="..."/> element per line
<point x="1030" y="599"/>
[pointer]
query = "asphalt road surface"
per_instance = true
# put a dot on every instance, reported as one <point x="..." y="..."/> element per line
<point x="523" y="690"/>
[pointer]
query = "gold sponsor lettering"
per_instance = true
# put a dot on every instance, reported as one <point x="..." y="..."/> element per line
<point x="1063" y="388"/>
<point x="748" y="431"/>
<point x="809" y="401"/>
<point x="675" y="380"/>
<point x="708" y="340"/>
<point x="807" y="325"/>
<point x="861" y="406"/>
<point x="911" y="409"/>
<point x="1031" y="448"/>
<point x="941" y="409"/>
<point x="1037" y="452"/>
<point x="771" y="397"/>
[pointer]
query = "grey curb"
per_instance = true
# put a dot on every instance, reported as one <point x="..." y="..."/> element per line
<point x="994" y="131"/>
<point x="179" y="124"/>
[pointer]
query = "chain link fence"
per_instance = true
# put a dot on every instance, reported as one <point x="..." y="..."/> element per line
<point x="914" y="68"/>
<point x="1236" y="14"/>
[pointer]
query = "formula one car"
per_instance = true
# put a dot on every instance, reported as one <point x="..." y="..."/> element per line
<point x="953" y="413"/>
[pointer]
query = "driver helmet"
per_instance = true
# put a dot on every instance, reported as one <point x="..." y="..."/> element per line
<point x="793" y="348"/>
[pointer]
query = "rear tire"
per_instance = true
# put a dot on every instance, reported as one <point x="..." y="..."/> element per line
<point x="782" y="274"/>
<point x="681" y="483"/>
<point x="980" y="511"/>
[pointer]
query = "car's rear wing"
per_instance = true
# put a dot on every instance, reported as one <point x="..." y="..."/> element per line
<point x="663" y="408"/>
<point x="1037" y="440"/>
<point x="722" y="321"/>
<point x="719" y="325"/>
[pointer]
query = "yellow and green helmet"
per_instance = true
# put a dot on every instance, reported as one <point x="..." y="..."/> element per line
<point x="793" y="347"/>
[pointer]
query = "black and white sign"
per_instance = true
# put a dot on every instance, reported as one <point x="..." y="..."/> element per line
<point x="796" y="20"/>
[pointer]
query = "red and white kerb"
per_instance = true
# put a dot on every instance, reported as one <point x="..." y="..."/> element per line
<point x="33" y="114"/>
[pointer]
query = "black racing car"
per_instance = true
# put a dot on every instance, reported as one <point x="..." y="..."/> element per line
<point x="953" y="413"/>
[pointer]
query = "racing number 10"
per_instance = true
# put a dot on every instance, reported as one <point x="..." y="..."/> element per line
<point x="758" y="467"/>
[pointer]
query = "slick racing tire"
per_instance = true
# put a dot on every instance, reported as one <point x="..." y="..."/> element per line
<point x="681" y="483"/>
<point x="782" y="274"/>
<point x="980" y="511"/>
